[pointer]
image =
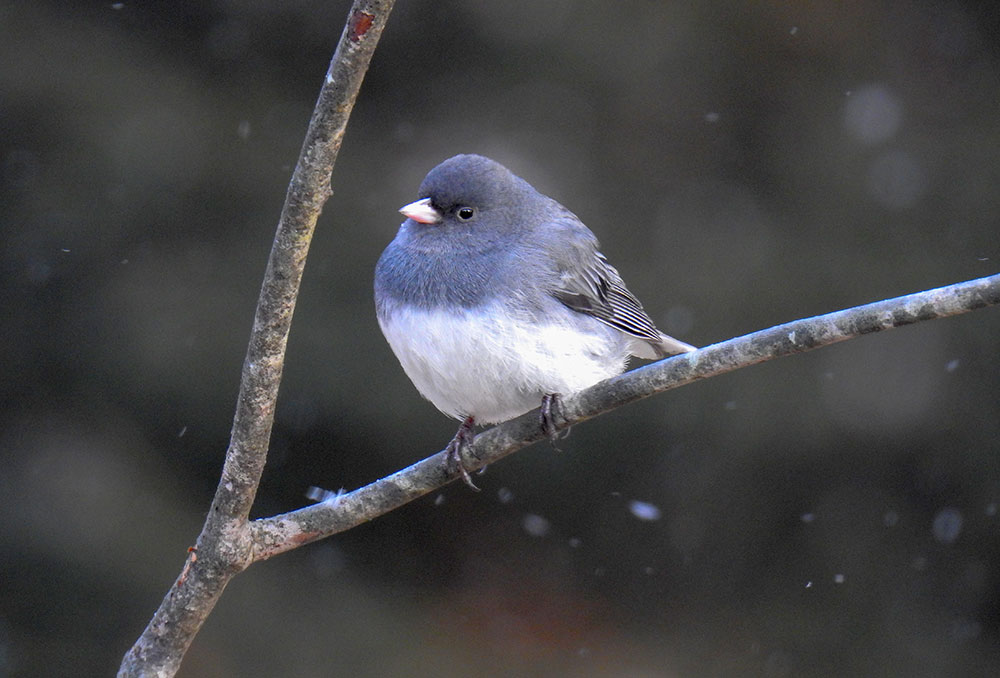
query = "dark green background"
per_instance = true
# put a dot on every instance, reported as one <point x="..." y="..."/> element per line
<point x="743" y="163"/>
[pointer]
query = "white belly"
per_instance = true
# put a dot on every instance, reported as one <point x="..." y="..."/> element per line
<point x="494" y="366"/>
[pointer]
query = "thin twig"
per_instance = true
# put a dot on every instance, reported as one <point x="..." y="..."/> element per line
<point x="224" y="547"/>
<point x="281" y="533"/>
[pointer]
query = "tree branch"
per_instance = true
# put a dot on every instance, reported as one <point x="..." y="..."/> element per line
<point x="271" y="536"/>
<point x="228" y="544"/>
<point x="224" y="547"/>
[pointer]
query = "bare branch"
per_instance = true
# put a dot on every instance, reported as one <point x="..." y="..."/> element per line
<point x="224" y="547"/>
<point x="281" y="533"/>
<point x="228" y="544"/>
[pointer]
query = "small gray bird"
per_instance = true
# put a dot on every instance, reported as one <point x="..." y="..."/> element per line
<point x="495" y="299"/>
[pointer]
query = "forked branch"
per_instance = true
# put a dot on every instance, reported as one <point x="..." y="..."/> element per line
<point x="229" y="543"/>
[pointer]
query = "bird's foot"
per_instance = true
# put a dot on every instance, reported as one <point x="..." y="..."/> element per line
<point x="551" y="405"/>
<point x="453" y="460"/>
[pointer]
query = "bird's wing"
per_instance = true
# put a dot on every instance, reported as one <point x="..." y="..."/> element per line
<point x="587" y="283"/>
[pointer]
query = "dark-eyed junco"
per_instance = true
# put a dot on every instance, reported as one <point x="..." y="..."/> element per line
<point x="495" y="299"/>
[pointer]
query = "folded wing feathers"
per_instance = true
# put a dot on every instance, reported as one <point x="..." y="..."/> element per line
<point x="591" y="285"/>
<point x="598" y="290"/>
<point x="626" y="311"/>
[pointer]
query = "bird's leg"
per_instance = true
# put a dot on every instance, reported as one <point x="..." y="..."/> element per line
<point x="547" y="414"/>
<point x="454" y="464"/>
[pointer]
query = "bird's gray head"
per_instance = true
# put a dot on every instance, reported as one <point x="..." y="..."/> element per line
<point x="457" y="246"/>
<point x="466" y="192"/>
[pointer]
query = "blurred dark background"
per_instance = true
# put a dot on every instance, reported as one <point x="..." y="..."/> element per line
<point x="745" y="164"/>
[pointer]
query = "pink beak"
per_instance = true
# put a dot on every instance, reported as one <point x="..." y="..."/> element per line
<point x="422" y="212"/>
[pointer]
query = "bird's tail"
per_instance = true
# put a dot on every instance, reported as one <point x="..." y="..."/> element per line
<point x="666" y="346"/>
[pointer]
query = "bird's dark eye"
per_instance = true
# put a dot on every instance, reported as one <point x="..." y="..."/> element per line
<point x="465" y="213"/>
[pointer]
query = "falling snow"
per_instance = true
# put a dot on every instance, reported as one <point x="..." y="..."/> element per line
<point x="643" y="510"/>
<point x="535" y="525"/>
<point x="947" y="525"/>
